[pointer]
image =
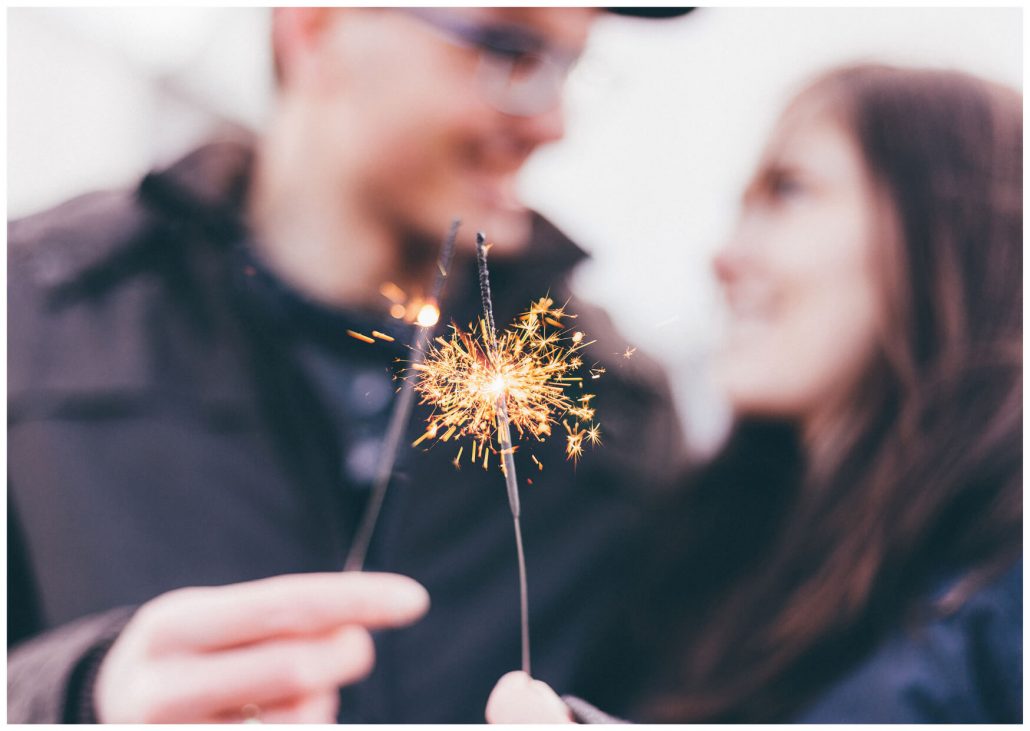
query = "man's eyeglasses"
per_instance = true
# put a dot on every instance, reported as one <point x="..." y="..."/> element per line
<point x="519" y="72"/>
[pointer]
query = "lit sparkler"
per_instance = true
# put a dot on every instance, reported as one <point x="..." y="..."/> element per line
<point x="482" y="383"/>
<point x="415" y="309"/>
<point x="425" y="320"/>
<point x="526" y="370"/>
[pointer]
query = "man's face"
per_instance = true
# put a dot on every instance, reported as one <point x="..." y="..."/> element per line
<point x="427" y="114"/>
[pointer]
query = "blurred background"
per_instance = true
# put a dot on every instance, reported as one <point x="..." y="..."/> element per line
<point x="664" y="124"/>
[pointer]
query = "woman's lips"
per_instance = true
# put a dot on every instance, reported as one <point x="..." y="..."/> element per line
<point x="750" y="302"/>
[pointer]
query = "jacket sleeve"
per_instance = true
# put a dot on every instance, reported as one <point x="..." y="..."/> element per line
<point x="50" y="673"/>
<point x="50" y="676"/>
<point x="963" y="668"/>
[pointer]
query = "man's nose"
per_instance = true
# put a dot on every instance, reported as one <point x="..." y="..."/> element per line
<point x="545" y="126"/>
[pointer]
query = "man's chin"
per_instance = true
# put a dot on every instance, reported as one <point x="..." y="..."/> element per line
<point x="507" y="229"/>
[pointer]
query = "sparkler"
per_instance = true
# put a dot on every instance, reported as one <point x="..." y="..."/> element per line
<point x="526" y="370"/>
<point x="504" y="440"/>
<point x="426" y="320"/>
<point x="482" y="385"/>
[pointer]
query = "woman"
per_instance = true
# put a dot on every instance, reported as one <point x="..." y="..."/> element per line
<point x="854" y="555"/>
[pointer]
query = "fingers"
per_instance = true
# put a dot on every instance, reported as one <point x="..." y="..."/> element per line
<point x="313" y="709"/>
<point x="204" y="652"/>
<point x="319" y="708"/>
<point x="268" y="674"/>
<point x="517" y="698"/>
<point x="297" y="604"/>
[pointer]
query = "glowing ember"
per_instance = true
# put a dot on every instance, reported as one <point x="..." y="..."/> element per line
<point x="412" y="308"/>
<point x="428" y="315"/>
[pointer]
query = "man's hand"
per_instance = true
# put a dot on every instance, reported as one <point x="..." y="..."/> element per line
<point x="276" y="649"/>
<point x="517" y="698"/>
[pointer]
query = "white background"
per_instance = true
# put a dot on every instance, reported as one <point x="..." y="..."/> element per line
<point x="665" y="121"/>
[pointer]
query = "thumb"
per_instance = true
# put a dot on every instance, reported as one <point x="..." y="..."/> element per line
<point x="517" y="698"/>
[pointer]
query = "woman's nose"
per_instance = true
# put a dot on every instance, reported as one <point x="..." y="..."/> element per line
<point x="726" y="263"/>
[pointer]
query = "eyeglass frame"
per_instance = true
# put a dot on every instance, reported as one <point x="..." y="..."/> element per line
<point x="501" y="47"/>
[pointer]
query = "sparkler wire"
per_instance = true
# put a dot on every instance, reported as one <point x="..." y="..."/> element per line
<point x="506" y="450"/>
<point x="399" y="417"/>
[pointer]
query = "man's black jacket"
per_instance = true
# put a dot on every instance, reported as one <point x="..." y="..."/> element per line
<point x="162" y="433"/>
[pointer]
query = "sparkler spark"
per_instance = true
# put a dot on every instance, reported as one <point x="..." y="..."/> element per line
<point x="574" y="440"/>
<point x="359" y="336"/>
<point x="530" y="369"/>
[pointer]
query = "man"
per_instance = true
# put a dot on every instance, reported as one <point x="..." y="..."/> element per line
<point x="192" y="435"/>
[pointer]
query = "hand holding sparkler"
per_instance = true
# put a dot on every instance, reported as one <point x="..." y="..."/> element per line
<point x="274" y="650"/>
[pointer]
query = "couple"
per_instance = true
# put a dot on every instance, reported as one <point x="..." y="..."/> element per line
<point x="190" y="437"/>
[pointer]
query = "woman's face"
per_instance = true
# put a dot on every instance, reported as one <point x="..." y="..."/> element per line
<point x="798" y="274"/>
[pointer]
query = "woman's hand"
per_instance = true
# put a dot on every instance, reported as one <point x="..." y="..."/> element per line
<point x="517" y="698"/>
<point x="274" y="650"/>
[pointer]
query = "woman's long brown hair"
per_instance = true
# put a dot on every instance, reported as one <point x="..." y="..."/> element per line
<point x="788" y="568"/>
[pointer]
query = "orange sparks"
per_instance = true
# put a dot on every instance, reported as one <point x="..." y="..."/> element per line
<point x="392" y="292"/>
<point x="574" y="442"/>
<point x="528" y="368"/>
<point x="359" y="336"/>
<point x="410" y="308"/>
<point x="382" y="336"/>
